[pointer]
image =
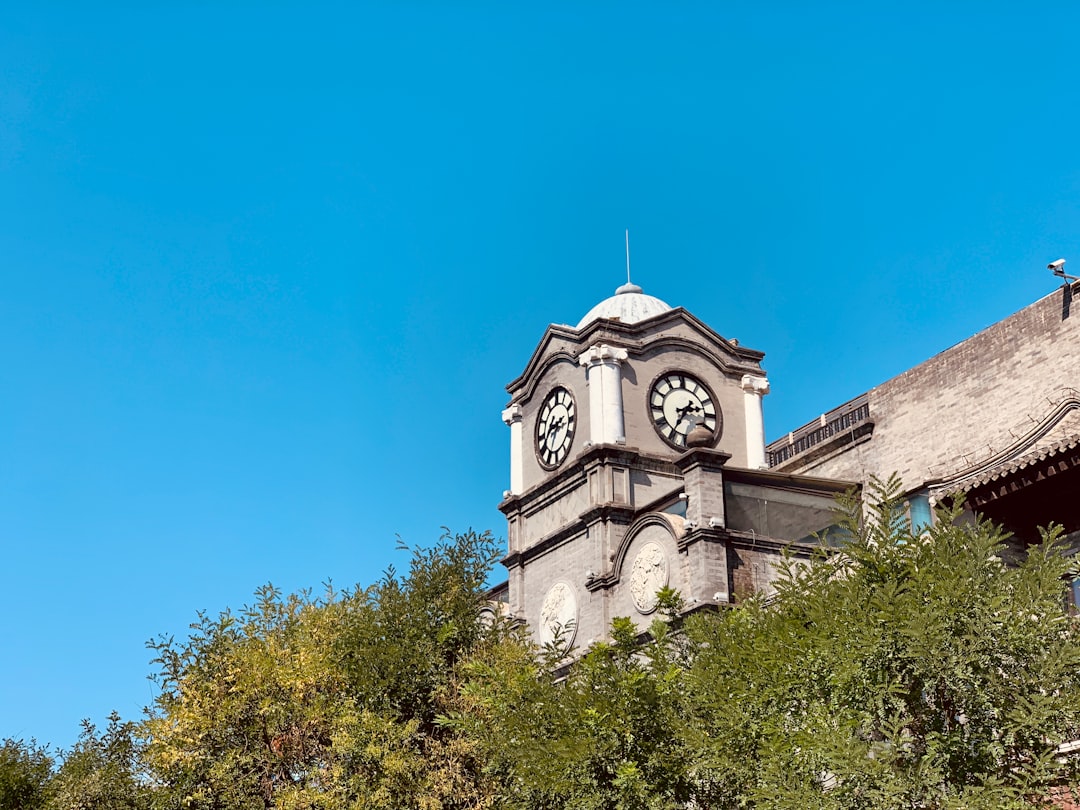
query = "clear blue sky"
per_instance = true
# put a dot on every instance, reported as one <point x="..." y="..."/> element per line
<point x="267" y="268"/>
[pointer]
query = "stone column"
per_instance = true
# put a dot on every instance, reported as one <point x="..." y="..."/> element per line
<point x="603" y="370"/>
<point x="754" y="389"/>
<point x="512" y="417"/>
<point x="702" y="470"/>
<point x="705" y="545"/>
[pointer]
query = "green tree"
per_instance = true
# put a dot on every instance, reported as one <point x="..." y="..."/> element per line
<point x="332" y="702"/>
<point x="601" y="733"/>
<point x="896" y="671"/>
<point x="902" y="671"/>
<point x="25" y="770"/>
<point x="101" y="771"/>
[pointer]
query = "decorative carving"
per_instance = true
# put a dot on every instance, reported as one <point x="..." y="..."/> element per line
<point x="512" y="414"/>
<point x="486" y="617"/>
<point x="648" y="575"/>
<point x="602" y="353"/>
<point x="755" y="385"/>
<point x="558" y="615"/>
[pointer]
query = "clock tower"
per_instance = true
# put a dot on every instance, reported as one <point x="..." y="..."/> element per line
<point x="623" y="430"/>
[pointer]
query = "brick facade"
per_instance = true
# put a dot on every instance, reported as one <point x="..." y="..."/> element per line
<point x="987" y="399"/>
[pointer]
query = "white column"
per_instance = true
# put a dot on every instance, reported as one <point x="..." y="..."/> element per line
<point x="512" y="417"/>
<point x="603" y="369"/>
<point x="754" y="389"/>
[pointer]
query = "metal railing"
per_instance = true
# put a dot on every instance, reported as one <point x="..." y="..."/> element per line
<point x="838" y="420"/>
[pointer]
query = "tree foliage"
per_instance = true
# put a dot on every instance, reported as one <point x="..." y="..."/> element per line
<point x="101" y="772"/>
<point x="25" y="770"/>
<point x="907" y="670"/>
<point x="332" y="702"/>
<point x="601" y="732"/>
<point x="899" y="671"/>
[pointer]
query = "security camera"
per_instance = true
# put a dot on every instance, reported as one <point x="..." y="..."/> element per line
<point x="1059" y="270"/>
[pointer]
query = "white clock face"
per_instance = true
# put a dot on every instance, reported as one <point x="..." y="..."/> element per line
<point x="555" y="428"/>
<point x="678" y="403"/>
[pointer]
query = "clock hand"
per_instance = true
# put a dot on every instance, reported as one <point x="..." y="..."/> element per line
<point x="555" y="426"/>
<point x="690" y="407"/>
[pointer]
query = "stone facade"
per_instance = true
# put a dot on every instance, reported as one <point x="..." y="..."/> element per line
<point x="605" y="509"/>
<point x="967" y="404"/>
<point x="991" y="416"/>
<point x="621" y="509"/>
<point x="632" y="435"/>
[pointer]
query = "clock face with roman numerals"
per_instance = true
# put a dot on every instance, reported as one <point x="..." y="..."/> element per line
<point x="677" y="403"/>
<point x="555" y="428"/>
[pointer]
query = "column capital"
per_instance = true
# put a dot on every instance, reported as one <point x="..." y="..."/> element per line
<point x="512" y="414"/>
<point x="755" y="385"/>
<point x="602" y="353"/>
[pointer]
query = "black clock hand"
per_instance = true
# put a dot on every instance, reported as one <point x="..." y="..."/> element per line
<point x="554" y="427"/>
<point x="689" y="408"/>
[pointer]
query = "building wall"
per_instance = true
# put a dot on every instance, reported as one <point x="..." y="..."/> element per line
<point x="655" y="361"/>
<point x="753" y="572"/>
<point x="583" y="556"/>
<point x="567" y="563"/>
<point x="968" y="403"/>
<point x="675" y="341"/>
<point x="563" y="371"/>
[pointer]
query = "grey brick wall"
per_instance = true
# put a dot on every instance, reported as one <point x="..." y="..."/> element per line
<point x="967" y="403"/>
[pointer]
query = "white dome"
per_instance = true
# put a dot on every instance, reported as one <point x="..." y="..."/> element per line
<point x="628" y="305"/>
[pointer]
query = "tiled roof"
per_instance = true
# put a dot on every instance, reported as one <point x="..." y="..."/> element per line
<point x="1006" y="468"/>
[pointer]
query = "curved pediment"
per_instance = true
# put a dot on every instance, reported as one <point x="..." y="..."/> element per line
<point x="653" y="526"/>
<point x="675" y="331"/>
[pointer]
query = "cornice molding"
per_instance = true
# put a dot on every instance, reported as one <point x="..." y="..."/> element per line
<point x="612" y="512"/>
<point x="575" y="473"/>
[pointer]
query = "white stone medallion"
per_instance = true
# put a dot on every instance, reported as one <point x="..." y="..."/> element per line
<point x="648" y="574"/>
<point x="558" y="615"/>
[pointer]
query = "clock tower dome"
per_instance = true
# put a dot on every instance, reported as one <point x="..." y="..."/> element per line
<point x="622" y="430"/>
